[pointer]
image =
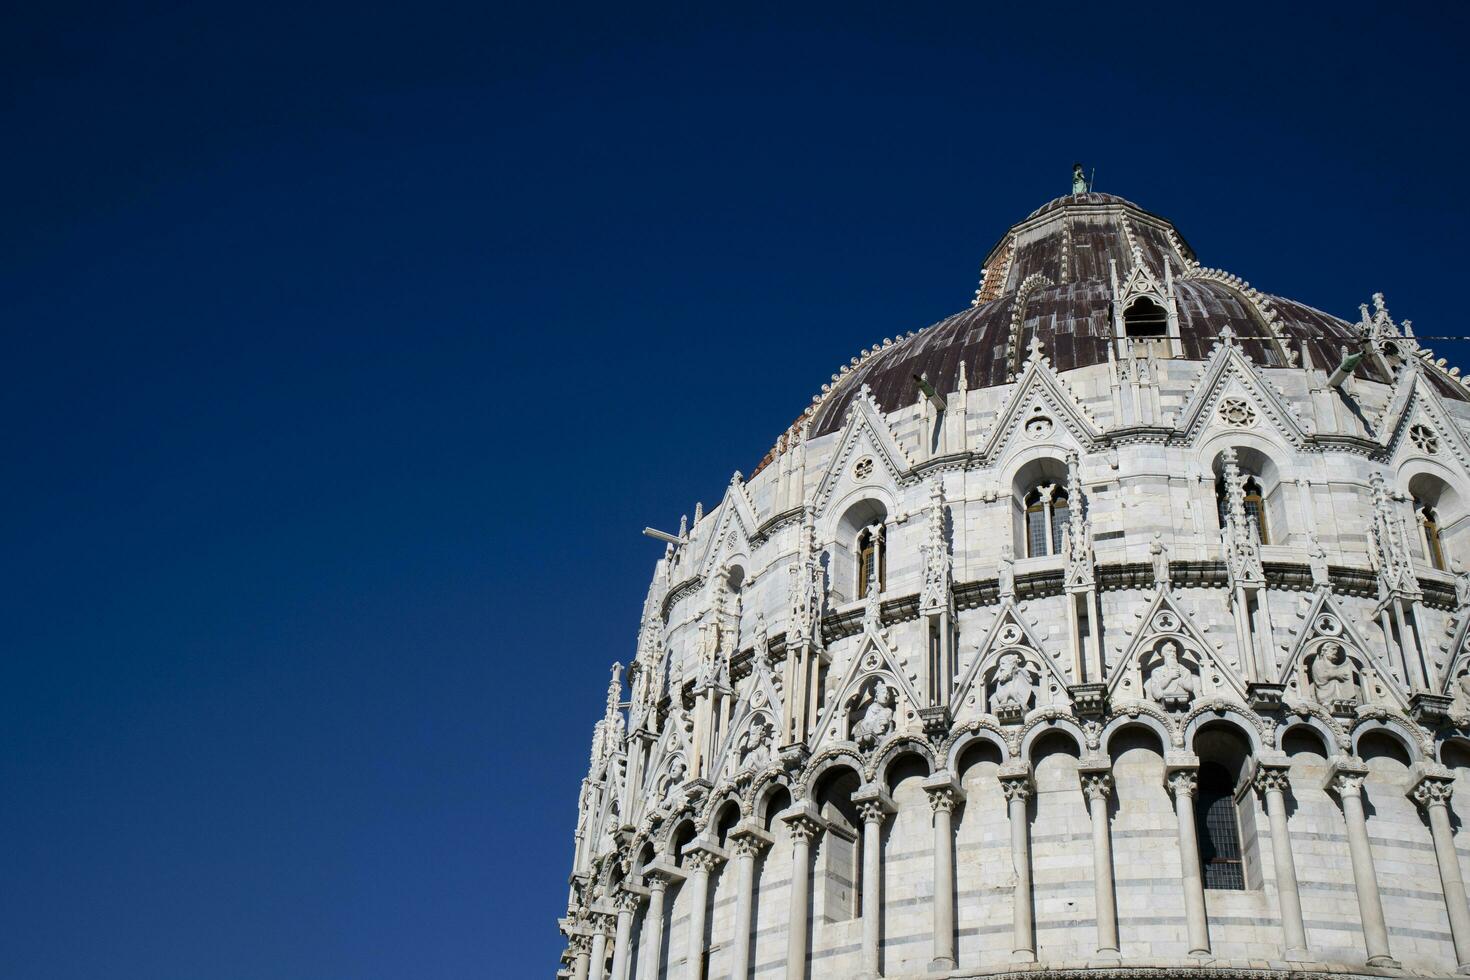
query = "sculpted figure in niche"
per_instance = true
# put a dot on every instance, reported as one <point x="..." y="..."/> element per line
<point x="1332" y="676"/>
<point x="1171" y="681"/>
<point x="1006" y="571"/>
<point x="1464" y="685"/>
<point x="1317" y="561"/>
<point x="676" y="776"/>
<point x="877" y="720"/>
<point x="1013" y="685"/>
<point x="755" y="746"/>
<point x="1159" y="556"/>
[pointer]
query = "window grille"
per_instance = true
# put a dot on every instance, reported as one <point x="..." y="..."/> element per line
<point x="1218" y="829"/>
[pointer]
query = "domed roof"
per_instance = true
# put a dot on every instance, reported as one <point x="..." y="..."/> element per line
<point x="1053" y="277"/>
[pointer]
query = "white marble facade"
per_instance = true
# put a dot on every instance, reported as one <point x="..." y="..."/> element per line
<point x="1028" y="744"/>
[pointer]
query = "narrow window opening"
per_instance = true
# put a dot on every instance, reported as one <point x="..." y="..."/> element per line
<point x="1255" y="507"/>
<point x="1218" y="828"/>
<point x="1035" y="525"/>
<point x="871" y="560"/>
<point x="1430" y="535"/>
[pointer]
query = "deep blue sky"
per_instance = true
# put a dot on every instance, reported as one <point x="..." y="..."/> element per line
<point x="348" y="348"/>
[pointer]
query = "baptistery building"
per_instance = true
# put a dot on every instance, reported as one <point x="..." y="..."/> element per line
<point x="1114" y="625"/>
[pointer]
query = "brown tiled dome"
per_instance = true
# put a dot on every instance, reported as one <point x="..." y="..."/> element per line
<point x="1059" y="266"/>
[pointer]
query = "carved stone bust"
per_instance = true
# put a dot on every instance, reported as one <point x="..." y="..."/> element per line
<point x="1332" y="676"/>
<point x="1170" y="682"/>
<point x="877" y="720"/>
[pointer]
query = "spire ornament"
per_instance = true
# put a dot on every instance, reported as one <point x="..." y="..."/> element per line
<point x="938" y="564"/>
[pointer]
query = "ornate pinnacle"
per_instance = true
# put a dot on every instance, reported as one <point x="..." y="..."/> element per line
<point x="938" y="565"/>
<point x="614" y="691"/>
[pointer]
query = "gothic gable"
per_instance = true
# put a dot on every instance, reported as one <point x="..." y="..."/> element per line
<point x="1229" y="374"/>
<point x="1324" y="632"/>
<point x="1009" y="636"/>
<point x="866" y="436"/>
<point x="1170" y="661"/>
<point x="874" y="661"/>
<point x="733" y="531"/>
<point x="1040" y="407"/>
<point x="1417" y="422"/>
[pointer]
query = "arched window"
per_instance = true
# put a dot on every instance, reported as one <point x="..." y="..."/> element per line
<point x="1046" y="517"/>
<point x="1429" y="534"/>
<point x="1146" y="327"/>
<point x="872" y="569"/>
<point x="1145" y="318"/>
<point x="1218" y="829"/>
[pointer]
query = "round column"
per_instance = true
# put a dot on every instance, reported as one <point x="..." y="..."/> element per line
<point x="1431" y="788"/>
<point x="599" y="950"/>
<point x="747" y="843"/>
<point x="1097" y="786"/>
<point x="1183" y="782"/>
<point x="804" y="828"/>
<point x="1345" y="780"/>
<point x="944" y="793"/>
<point x="1272" y="782"/>
<point x="627" y="903"/>
<point x="653" y="921"/>
<point x="1018" y="788"/>
<point x="700" y="861"/>
<point x="580" y="956"/>
<point x="873" y="806"/>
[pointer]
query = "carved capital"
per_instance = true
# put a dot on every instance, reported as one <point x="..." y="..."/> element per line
<point x="944" y="792"/>
<point x="701" y="861"/>
<point x="873" y="803"/>
<point x="747" y="846"/>
<point x="627" y="901"/>
<point x="1097" y="784"/>
<point x="803" y="822"/>
<point x="1272" y="779"/>
<point x="804" y="829"/>
<point x="942" y="800"/>
<point x="1345" y="776"/>
<point x="1182" y="781"/>
<point x="580" y="946"/>
<point x="1015" y="781"/>
<point x="658" y="875"/>
<point x="1430" y="785"/>
<point x="1016" y="789"/>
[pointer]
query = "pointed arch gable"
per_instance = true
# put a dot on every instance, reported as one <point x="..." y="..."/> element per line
<point x="999" y="639"/>
<point x="1459" y="653"/>
<point x="1156" y="626"/>
<point x="874" y="658"/>
<point x="1325" y="622"/>
<point x="1416" y="401"/>
<point x="1039" y="389"/>
<point x="866" y="430"/>
<point x="1229" y="371"/>
<point x="733" y="530"/>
